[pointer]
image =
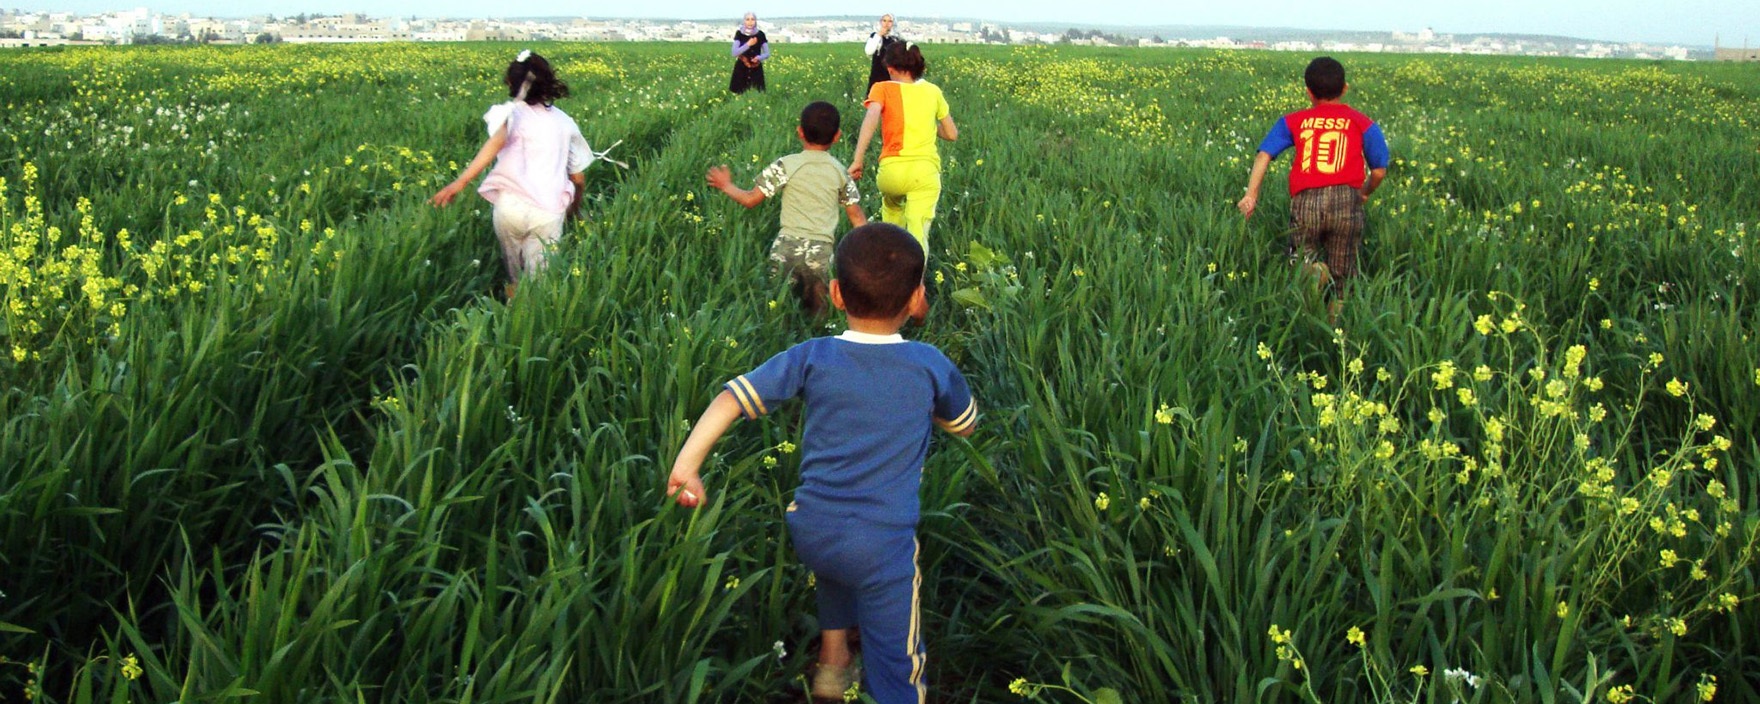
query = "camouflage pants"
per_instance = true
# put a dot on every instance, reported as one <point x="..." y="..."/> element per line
<point x="807" y="264"/>
<point x="800" y="258"/>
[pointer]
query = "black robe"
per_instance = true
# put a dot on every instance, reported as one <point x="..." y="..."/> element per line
<point x="748" y="76"/>
<point x="878" y="72"/>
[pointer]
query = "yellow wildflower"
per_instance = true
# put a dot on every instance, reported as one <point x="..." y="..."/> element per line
<point x="1444" y="375"/>
<point x="1484" y="325"/>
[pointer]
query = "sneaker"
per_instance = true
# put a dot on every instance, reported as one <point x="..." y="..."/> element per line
<point x="1321" y="274"/>
<point x="831" y="682"/>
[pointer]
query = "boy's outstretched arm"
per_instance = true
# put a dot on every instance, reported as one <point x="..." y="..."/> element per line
<point x="857" y="216"/>
<point x="1250" y="201"/>
<point x="684" y="485"/>
<point x="721" y="179"/>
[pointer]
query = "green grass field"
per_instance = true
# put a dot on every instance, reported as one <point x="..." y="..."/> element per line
<point x="268" y="434"/>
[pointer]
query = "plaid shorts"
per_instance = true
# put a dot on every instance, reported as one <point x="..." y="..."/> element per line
<point x="802" y="258"/>
<point x="1329" y="219"/>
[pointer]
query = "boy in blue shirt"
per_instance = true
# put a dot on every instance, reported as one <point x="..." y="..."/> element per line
<point x="872" y="399"/>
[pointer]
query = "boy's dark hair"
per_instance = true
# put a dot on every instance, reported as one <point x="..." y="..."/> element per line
<point x="906" y="57"/>
<point x="545" y="87"/>
<point x="1325" y="78"/>
<point x="878" y="266"/>
<point x="820" y="122"/>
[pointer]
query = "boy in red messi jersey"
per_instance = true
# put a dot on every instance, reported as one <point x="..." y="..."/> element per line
<point x="1334" y="146"/>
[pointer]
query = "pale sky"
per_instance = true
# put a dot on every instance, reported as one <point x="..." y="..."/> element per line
<point x="1693" y="22"/>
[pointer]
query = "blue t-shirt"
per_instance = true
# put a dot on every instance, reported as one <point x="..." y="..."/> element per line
<point x="871" y="403"/>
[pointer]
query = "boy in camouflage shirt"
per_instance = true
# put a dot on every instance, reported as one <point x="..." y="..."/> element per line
<point x="813" y="184"/>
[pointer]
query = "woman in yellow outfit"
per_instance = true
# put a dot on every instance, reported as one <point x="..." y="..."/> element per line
<point x="910" y="113"/>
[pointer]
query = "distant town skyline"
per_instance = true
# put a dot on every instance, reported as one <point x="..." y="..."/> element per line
<point x="1689" y="22"/>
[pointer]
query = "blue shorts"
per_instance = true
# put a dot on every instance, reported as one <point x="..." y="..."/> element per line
<point x="868" y="577"/>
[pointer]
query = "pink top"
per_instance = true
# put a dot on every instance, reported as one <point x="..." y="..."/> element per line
<point x="544" y="146"/>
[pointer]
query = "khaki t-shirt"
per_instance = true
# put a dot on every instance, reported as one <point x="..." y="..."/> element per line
<point x="815" y="187"/>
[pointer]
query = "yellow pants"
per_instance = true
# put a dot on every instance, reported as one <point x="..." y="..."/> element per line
<point x="909" y="190"/>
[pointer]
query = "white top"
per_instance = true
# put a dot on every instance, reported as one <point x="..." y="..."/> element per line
<point x="544" y="146"/>
<point x="868" y="338"/>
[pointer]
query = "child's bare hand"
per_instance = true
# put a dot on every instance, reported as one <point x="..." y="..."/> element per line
<point x="719" y="177"/>
<point x="444" y="197"/>
<point x="1247" y="205"/>
<point x="686" y="489"/>
<point x="855" y="170"/>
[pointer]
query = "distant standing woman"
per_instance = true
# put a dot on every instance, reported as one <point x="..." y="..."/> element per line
<point x="910" y="114"/>
<point x="539" y="156"/>
<point x="750" y="50"/>
<point x="878" y="42"/>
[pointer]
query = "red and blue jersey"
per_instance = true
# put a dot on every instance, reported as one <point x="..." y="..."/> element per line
<point x="1335" y="146"/>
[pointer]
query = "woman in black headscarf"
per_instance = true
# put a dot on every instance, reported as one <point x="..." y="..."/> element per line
<point x="750" y="50"/>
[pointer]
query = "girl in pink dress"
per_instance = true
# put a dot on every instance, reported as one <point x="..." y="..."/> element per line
<point x="539" y="156"/>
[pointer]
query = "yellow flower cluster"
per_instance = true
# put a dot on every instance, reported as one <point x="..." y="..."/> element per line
<point x="1084" y="90"/>
<point x="1286" y="648"/>
<point x="53" y="285"/>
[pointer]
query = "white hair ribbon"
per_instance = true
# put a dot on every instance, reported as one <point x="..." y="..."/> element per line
<point x="525" y="85"/>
